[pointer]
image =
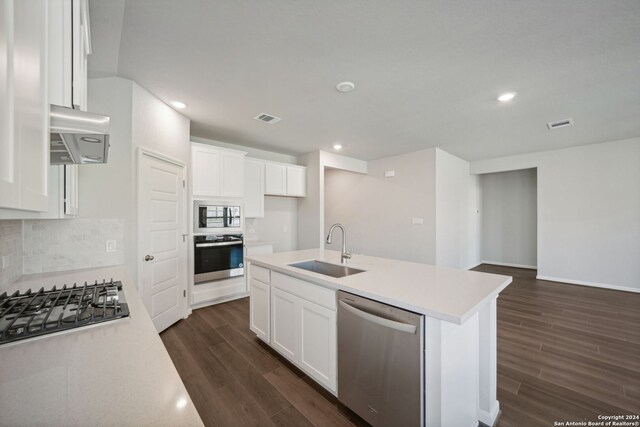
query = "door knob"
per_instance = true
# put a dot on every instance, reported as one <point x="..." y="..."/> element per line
<point x="148" y="258"/>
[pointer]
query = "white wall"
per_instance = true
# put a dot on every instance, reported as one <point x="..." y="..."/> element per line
<point x="158" y="127"/>
<point x="11" y="251"/>
<point x="377" y="211"/>
<point x="457" y="208"/>
<point x="588" y="211"/>
<point x="279" y="225"/>
<point x="107" y="191"/>
<point x="509" y="218"/>
<point x="311" y="208"/>
<point x="138" y="119"/>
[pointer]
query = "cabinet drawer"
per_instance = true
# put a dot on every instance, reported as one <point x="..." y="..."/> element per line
<point x="260" y="273"/>
<point x="314" y="293"/>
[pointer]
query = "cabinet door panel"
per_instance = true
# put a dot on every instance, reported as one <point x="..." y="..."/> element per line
<point x="31" y="108"/>
<point x="283" y="323"/>
<point x="206" y="173"/>
<point x="260" y="309"/>
<point x="232" y="175"/>
<point x="9" y="160"/>
<point x="253" y="189"/>
<point x="296" y="181"/>
<point x="275" y="179"/>
<point x="318" y="343"/>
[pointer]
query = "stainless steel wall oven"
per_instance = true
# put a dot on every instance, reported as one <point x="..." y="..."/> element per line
<point x="218" y="257"/>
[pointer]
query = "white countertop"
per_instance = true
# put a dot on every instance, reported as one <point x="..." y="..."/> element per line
<point x="115" y="373"/>
<point x="443" y="293"/>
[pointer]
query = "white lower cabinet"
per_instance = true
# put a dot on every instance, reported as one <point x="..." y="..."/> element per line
<point x="260" y="309"/>
<point x="301" y="327"/>
<point x="284" y="334"/>
<point x="317" y="354"/>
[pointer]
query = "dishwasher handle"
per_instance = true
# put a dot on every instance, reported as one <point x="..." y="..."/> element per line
<point x="392" y="324"/>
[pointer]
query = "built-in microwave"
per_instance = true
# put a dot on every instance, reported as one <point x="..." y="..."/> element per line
<point x="216" y="217"/>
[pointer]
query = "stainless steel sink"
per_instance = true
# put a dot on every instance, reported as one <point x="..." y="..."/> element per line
<point x="327" y="269"/>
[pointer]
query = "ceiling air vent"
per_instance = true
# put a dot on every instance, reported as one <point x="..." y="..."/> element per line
<point x="267" y="118"/>
<point x="560" y="124"/>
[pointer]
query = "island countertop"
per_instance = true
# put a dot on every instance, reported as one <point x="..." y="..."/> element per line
<point x="114" y="373"/>
<point x="444" y="293"/>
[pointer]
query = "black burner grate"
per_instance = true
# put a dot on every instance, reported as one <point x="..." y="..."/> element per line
<point x="31" y="314"/>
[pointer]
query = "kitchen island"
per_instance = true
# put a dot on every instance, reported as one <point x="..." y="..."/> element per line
<point x="113" y="373"/>
<point x="294" y="311"/>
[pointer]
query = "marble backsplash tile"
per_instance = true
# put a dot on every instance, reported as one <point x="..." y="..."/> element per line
<point x="69" y="244"/>
<point x="11" y="251"/>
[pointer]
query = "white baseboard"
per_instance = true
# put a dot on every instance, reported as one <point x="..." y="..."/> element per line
<point x="508" y="264"/>
<point x="198" y="305"/>
<point x="489" y="418"/>
<point x="592" y="284"/>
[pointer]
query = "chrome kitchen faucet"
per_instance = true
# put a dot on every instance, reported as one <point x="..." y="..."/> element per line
<point x="344" y="256"/>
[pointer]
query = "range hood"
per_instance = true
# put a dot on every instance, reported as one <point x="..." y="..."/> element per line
<point x="77" y="137"/>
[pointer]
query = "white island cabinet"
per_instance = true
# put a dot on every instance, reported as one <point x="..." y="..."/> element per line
<point x="294" y="311"/>
<point x="298" y="319"/>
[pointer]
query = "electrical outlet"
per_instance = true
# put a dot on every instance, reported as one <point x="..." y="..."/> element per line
<point x="110" y="246"/>
<point x="285" y="229"/>
<point x="417" y="221"/>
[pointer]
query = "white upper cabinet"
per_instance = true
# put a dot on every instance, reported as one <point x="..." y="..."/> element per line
<point x="217" y="172"/>
<point x="82" y="48"/>
<point x="58" y="52"/>
<point x="296" y="181"/>
<point x="282" y="179"/>
<point x="232" y="174"/>
<point x="254" y="188"/>
<point x="24" y="110"/>
<point x="206" y="172"/>
<point x="275" y="179"/>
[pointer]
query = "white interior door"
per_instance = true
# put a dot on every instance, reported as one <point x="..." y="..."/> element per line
<point x="162" y="247"/>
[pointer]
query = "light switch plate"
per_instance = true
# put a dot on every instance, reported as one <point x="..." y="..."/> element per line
<point x="417" y="221"/>
<point x="111" y="246"/>
<point x="3" y="262"/>
<point x="389" y="174"/>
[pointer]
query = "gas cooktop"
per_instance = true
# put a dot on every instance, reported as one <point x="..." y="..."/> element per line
<point x="32" y="314"/>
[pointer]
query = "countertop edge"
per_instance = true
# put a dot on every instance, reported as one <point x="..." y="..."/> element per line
<point x="316" y="279"/>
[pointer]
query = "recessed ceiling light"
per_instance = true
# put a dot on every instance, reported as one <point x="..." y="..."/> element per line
<point x="179" y="105"/>
<point x="337" y="147"/>
<point x="508" y="96"/>
<point x="345" y="87"/>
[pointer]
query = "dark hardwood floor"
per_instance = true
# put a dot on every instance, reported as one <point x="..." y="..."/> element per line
<point x="236" y="380"/>
<point x="565" y="353"/>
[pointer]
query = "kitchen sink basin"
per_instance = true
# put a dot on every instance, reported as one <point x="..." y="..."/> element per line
<point x="327" y="269"/>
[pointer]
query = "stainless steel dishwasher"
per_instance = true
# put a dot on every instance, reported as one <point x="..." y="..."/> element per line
<point x="380" y="361"/>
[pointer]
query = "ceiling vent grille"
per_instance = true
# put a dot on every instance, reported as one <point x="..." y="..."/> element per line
<point x="267" y="118"/>
<point x="560" y="124"/>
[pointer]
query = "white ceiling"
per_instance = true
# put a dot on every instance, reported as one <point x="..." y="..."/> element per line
<point x="426" y="72"/>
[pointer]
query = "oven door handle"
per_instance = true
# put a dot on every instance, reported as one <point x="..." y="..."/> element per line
<point x="209" y="245"/>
